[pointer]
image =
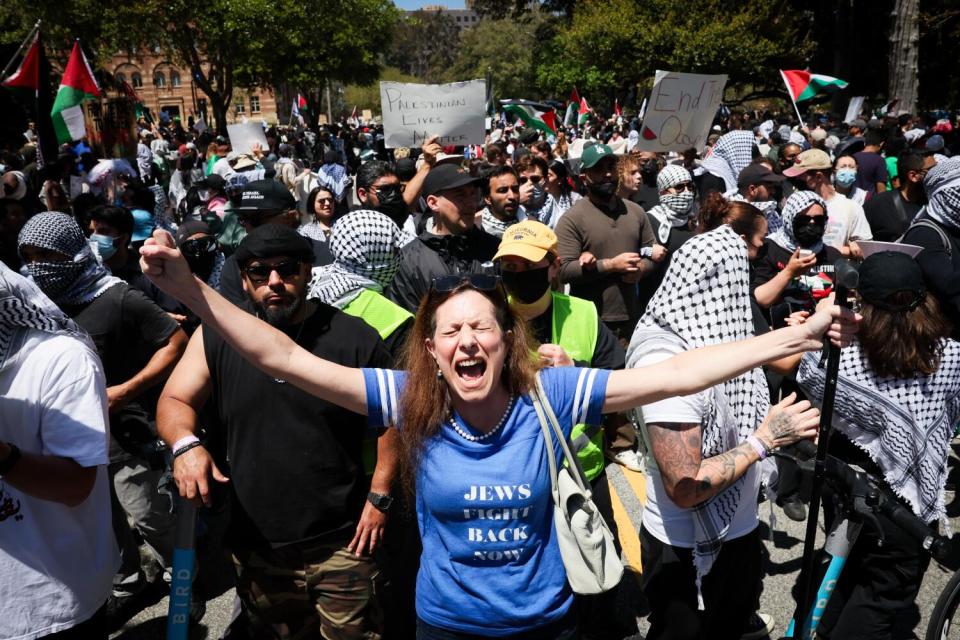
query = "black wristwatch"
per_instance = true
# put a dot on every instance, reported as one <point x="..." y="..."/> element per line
<point x="13" y="457"/>
<point x="380" y="501"/>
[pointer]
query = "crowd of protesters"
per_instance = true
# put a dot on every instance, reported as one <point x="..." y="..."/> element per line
<point x="331" y="346"/>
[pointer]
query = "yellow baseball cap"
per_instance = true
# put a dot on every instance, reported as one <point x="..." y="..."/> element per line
<point x="529" y="240"/>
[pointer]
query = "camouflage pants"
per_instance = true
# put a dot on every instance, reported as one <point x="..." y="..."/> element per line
<point x="311" y="591"/>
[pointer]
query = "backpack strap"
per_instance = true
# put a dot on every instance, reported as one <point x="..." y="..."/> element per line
<point x="927" y="223"/>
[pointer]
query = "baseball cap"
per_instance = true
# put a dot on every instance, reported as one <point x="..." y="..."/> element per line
<point x="818" y="135"/>
<point x="859" y="123"/>
<point x="809" y="160"/>
<point x="183" y="150"/>
<point x="757" y="174"/>
<point x="266" y="197"/>
<point x="887" y="273"/>
<point x="213" y="181"/>
<point x="594" y="154"/>
<point x="444" y="177"/>
<point x="529" y="239"/>
<point x="935" y="143"/>
<point x="272" y="240"/>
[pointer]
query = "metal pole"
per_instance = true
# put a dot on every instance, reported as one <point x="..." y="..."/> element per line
<point x="181" y="586"/>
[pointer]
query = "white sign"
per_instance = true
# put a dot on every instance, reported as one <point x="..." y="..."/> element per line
<point x="854" y="109"/>
<point x="244" y="135"/>
<point x="680" y="111"/>
<point x="414" y="112"/>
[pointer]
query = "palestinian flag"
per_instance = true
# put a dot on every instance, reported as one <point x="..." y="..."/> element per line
<point x="804" y="85"/>
<point x="32" y="77"/>
<point x="536" y="115"/>
<point x="77" y="86"/>
<point x="584" y="112"/>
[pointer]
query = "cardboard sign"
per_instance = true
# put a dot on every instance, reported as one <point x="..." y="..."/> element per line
<point x="412" y="113"/>
<point x="244" y="135"/>
<point x="680" y="111"/>
<point x="367" y="115"/>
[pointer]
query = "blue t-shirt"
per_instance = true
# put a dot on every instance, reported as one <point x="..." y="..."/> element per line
<point x="490" y="563"/>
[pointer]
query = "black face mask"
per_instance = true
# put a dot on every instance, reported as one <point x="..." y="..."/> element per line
<point x="392" y="204"/>
<point x="603" y="190"/>
<point x="648" y="172"/>
<point x="808" y="233"/>
<point x="526" y="286"/>
<point x="202" y="265"/>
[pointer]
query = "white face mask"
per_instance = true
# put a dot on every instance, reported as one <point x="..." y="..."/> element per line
<point x="679" y="203"/>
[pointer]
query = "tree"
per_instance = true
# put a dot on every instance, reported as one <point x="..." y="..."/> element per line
<point x="904" y="48"/>
<point x="368" y="96"/>
<point x="424" y="44"/>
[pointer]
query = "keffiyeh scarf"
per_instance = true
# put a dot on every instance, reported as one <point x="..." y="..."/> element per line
<point x="666" y="215"/>
<point x="943" y="192"/>
<point x="797" y="203"/>
<point x="904" y="425"/>
<point x="334" y="177"/>
<point x="769" y="208"/>
<point x="704" y="300"/>
<point x="733" y="151"/>
<point x="366" y="255"/>
<point x="76" y="281"/>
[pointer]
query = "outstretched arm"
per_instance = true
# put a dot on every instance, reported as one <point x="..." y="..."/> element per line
<point x="264" y="346"/>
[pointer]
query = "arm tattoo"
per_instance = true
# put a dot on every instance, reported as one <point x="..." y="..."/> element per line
<point x="781" y="425"/>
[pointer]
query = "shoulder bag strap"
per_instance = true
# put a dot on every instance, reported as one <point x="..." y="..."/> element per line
<point x="551" y="459"/>
<point x="576" y="470"/>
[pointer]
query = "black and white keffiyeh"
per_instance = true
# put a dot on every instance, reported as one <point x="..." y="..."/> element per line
<point x="674" y="210"/>
<point x="76" y="281"/>
<point x="943" y="192"/>
<point x="22" y="307"/>
<point x="904" y="425"/>
<point x="494" y="225"/>
<point x="733" y="151"/>
<point x="704" y="300"/>
<point x="366" y="255"/>
<point x="769" y="208"/>
<point x="797" y="203"/>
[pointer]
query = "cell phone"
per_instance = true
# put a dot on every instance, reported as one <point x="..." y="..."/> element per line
<point x="805" y="252"/>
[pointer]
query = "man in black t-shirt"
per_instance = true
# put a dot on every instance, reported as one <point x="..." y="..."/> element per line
<point x="302" y="508"/>
<point x="891" y="212"/>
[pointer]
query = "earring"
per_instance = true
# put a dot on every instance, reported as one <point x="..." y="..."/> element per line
<point x="439" y="373"/>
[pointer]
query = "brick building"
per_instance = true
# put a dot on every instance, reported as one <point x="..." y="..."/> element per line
<point x="164" y="86"/>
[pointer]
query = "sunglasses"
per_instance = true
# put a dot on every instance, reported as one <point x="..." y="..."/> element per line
<point x="198" y="247"/>
<point x="328" y="201"/>
<point x="260" y="273"/>
<point x="684" y="186"/>
<point x="478" y="281"/>
<point x="812" y="220"/>
<point x="531" y="179"/>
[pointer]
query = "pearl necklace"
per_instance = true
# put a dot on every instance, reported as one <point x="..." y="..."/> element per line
<point x="489" y="434"/>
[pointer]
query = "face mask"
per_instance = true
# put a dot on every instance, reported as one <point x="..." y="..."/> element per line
<point x="649" y="170"/>
<point x="55" y="278"/>
<point x="527" y="286"/>
<point x="603" y="190"/>
<point x="106" y="246"/>
<point x="845" y="177"/>
<point x="204" y="194"/>
<point x="537" y="197"/>
<point x="202" y="265"/>
<point x="679" y="203"/>
<point x="392" y="204"/>
<point x="807" y="234"/>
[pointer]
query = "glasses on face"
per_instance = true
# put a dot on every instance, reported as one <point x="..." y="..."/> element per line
<point x="813" y="219"/>
<point x="198" y="247"/>
<point x="387" y="189"/>
<point x="478" y="281"/>
<point x="260" y="273"/>
<point x="531" y="179"/>
<point x="683" y="186"/>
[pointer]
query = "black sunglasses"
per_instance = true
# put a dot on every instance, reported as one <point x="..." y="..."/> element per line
<point x="811" y="220"/>
<point x="478" y="281"/>
<point x="198" y="247"/>
<point x="261" y="272"/>
<point x="683" y="186"/>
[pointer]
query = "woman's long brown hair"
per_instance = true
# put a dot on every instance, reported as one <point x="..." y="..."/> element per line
<point x="425" y="402"/>
<point x="903" y="344"/>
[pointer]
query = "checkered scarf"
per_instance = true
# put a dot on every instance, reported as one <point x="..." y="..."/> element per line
<point x="769" y="208"/>
<point x="729" y="156"/>
<point x="75" y="281"/>
<point x="366" y="255"/>
<point x="665" y="214"/>
<point x="797" y="203"/>
<point x="704" y="300"/>
<point x="22" y="307"/>
<point x="943" y="193"/>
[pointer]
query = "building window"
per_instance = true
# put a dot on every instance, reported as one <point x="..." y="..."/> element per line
<point x="159" y="80"/>
<point x="174" y="79"/>
<point x="239" y="106"/>
<point x="254" y="104"/>
<point x="136" y="80"/>
<point x="120" y="76"/>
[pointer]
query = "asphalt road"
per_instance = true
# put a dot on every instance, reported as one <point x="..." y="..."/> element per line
<point x="782" y="567"/>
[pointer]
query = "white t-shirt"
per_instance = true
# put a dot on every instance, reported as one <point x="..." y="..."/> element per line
<point x="56" y="562"/>
<point x="846" y="222"/>
<point x="662" y="518"/>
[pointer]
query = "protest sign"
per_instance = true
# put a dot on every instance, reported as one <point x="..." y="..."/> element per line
<point x="680" y="111"/>
<point x="244" y="135"/>
<point x="854" y="109"/>
<point x="414" y="112"/>
<point x="367" y="115"/>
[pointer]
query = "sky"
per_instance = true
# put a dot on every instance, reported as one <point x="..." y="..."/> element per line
<point x="411" y="5"/>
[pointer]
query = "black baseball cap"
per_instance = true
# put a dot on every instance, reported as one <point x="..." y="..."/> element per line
<point x="213" y="181"/>
<point x="272" y="240"/>
<point x="444" y="177"/>
<point x="886" y="273"/>
<point x="265" y="197"/>
<point x="758" y="174"/>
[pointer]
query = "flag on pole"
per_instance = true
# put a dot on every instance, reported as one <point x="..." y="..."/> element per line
<point x="77" y="86"/>
<point x="536" y="115"/>
<point x="887" y="108"/>
<point x="354" y="115"/>
<point x="584" y="112"/>
<point x="570" y="117"/>
<point x="617" y="111"/>
<point x="575" y="96"/>
<point x="295" y="109"/>
<point x="301" y="102"/>
<point x="32" y="74"/>
<point x="803" y="85"/>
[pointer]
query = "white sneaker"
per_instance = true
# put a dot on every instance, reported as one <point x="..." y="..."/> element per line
<point x="760" y="626"/>
<point x="629" y="459"/>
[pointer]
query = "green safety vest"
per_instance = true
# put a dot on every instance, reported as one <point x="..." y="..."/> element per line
<point x="384" y="317"/>
<point x="575" y="326"/>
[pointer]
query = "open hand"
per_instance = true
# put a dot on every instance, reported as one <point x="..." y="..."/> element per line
<point x="369" y="532"/>
<point x="789" y="421"/>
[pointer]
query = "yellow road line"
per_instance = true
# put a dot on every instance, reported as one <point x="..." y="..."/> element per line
<point x="629" y="537"/>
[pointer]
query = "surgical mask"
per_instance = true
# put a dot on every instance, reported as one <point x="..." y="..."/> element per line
<point x="808" y="234"/>
<point x="845" y="177"/>
<point x="55" y="278"/>
<point x="603" y="190"/>
<point x="679" y="203"/>
<point x="527" y="286"/>
<point x="537" y="197"/>
<point x="105" y="246"/>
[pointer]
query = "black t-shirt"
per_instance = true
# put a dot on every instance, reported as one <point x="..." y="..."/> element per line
<point x="803" y="292"/>
<point x="941" y="269"/>
<point x="871" y="169"/>
<point x="295" y="460"/>
<point x="651" y="281"/>
<point x="887" y="221"/>
<point x="646" y="196"/>
<point x="608" y="353"/>
<point x="133" y="276"/>
<point x="708" y="183"/>
<point x="231" y="287"/>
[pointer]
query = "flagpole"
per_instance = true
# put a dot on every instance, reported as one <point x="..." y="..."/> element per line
<point x="23" y="45"/>
<point x="790" y="93"/>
